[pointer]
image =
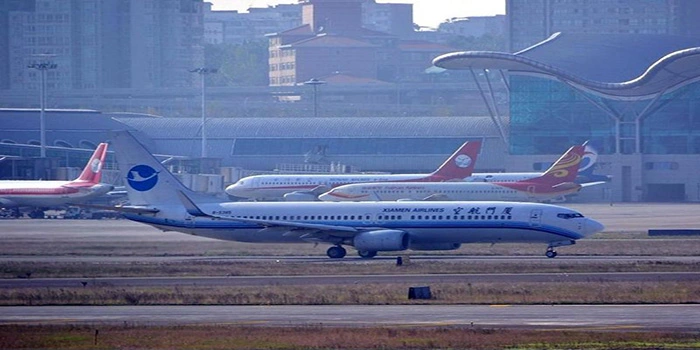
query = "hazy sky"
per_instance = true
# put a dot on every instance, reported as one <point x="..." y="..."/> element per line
<point x="428" y="13"/>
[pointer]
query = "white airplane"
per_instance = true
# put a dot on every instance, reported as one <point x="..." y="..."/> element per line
<point x="557" y="181"/>
<point x="158" y="199"/>
<point x="307" y="187"/>
<point x="45" y="194"/>
<point x="590" y="155"/>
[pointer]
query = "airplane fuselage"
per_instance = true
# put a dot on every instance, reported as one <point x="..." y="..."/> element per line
<point x="454" y="191"/>
<point x="424" y="222"/>
<point x="276" y="186"/>
<point x="27" y="193"/>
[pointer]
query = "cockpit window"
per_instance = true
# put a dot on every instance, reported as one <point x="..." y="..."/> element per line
<point x="569" y="215"/>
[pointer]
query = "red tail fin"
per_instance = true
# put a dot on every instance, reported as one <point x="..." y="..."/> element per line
<point x="459" y="165"/>
<point x="92" y="172"/>
<point x="565" y="169"/>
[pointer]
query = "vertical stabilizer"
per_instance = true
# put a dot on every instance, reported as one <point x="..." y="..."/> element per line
<point x="565" y="169"/>
<point x="459" y="165"/>
<point x="92" y="173"/>
<point x="147" y="181"/>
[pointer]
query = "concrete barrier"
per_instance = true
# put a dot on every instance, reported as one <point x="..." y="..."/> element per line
<point x="673" y="232"/>
<point x="419" y="293"/>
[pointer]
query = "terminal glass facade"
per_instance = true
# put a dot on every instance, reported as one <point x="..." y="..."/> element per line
<point x="346" y="146"/>
<point x="547" y="114"/>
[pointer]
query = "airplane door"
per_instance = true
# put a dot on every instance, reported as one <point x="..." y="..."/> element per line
<point x="379" y="220"/>
<point x="536" y="217"/>
<point x="531" y="190"/>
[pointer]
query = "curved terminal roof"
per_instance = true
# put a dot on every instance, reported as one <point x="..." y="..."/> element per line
<point x="618" y="66"/>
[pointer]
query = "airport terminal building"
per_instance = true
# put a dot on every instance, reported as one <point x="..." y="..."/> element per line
<point x="636" y="100"/>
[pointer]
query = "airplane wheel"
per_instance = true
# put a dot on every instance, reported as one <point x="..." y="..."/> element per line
<point x="551" y="254"/>
<point x="37" y="214"/>
<point x="367" y="254"/>
<point x="336" y="252"/>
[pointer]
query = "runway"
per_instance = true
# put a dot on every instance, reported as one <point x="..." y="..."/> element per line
<point x="47" y="242"/>
<point x="580" y="317"/>
<point x="422" y="279"/>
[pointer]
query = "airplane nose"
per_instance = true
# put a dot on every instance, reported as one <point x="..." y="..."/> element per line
<point x="593" y="227"/>
<point x="325" y="197"/>
<point x="232" y="190"/>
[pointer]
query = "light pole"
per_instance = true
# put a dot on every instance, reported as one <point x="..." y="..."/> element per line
<point x="203" y="71"/>
<point x="315" y="83"/>
<point x="42" y="67"/>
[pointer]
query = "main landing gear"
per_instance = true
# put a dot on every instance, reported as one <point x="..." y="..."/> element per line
<point x="336" y="252"/>
<point x="551" y="253"/>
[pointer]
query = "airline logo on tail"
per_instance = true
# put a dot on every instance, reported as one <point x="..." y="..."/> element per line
<point x="96" y="165"/>
<point x="463" y="161"/>
<point x="460" y="164"/>
<point x="142" y="177"/>
<point x="565" y="164"/>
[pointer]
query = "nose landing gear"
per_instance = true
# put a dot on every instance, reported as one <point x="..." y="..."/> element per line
<point x="551" y="253"/>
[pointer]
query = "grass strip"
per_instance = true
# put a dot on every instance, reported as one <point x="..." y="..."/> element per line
<point x="273" y="267"/>
<point x="319" y="337"/>
<point x="365" y="294"/>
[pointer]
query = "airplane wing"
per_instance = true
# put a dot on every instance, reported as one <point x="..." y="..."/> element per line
<point x="437" y="197"/>
<point x="319" y="190"/>
<point x="310" y="230"/>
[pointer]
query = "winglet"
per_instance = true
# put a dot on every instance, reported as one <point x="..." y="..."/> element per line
<point x="459" y="165"/>
<point x="190" y="206"/>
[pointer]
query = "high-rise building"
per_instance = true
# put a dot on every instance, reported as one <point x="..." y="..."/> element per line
<point x="531" y="21"/>
<point x="395" y="19"/>
<point x="233" y="27"/>
<point x="102" y="43"/>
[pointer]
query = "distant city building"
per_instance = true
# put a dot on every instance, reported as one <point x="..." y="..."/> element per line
<point x="332" y="40"/>
<point x="101" y="43"/>
<point x="232" y="27"/>
<point x="395" y="19"/>
<point x="535" y="20"/>
<point x="475" y="26"/>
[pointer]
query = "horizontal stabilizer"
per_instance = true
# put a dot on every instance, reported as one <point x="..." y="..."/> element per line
<point x="565" y="186"/>
<point x="589" y="184"/>
<point x="190" y="206"/>
<point x="119" y="208"/>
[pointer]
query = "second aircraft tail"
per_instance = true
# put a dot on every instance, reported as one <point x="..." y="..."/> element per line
<point x="459" y="165"/>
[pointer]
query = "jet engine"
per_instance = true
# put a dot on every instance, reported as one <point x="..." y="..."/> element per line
<point x="435" y="246"/>
<point x="381" y="240"/>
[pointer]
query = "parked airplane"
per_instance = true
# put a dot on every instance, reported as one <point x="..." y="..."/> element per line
<point x="557" y="181"/>
<point x="45" y="194"/>
<point x="590" y="155"/>
<point x="307" y="187"/>
<point x="158" y="199"/>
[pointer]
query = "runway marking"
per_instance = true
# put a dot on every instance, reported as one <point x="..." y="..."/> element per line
<point x="500" y="305"/>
